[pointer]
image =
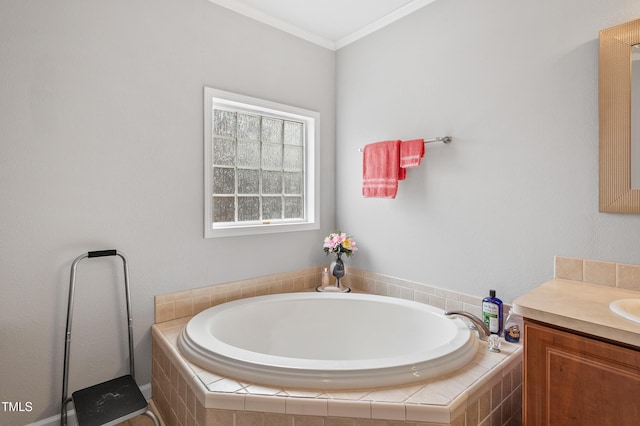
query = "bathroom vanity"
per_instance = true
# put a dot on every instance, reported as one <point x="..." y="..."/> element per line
<point x="581" y="360"/>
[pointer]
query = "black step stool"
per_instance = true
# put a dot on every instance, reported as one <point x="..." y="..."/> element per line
<point x="113" y="401"/>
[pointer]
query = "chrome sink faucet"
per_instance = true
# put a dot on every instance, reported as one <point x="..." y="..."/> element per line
<point x="476" y="324"/>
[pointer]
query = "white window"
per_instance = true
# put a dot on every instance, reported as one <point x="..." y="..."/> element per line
<point x="260" y="171"/>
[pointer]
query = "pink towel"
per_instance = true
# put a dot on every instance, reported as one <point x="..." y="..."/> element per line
<point x="381" y="169"/>
<point x="411" y="152"/>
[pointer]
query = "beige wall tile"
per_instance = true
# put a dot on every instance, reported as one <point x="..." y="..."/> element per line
<point x="308" y="421"/>
<point x="472" y="413"/>
<point x="247" y="418"/>
<point x="394" y="291"/>
<point x="165" y="311"/>
<point x="200" y="303"/>
<point x="421" y="297"/>
<point x="184" y="308"/>
<point x="275" y="287"/>
<point x="306" y="406"/>
<point x="437" y="301"/>
<point x="568" y="268"/>
<point x="484" y="405"/>
<point x="459" y="421"/>
<point x="496" y="396"/>
<point x="234" y="294"/>
<point x="248" y="292"/>
<point x="219" y="417"/>
<point x="407" y="294"/>
<point x="338" y="422"/>
<point x="471" y="300"/>
<point x="425" y="288"/>
<point x="262" y="289"/>
<point x="201" y="413"/>
<point x="381" y="288"/>
<point x="473" y="309"/>
<point x="369" y="285"/>
<point x="218" y="298"/>
<point x="447" y="294"/>
<point x="278" y="420"/>
<point x="287" y="285"/>
<point x="453" y="305"/>
<point x="164" y="298"/>
<point x="298" y="283"/>
<point x="628" y="276"/>
<point x="602" y="273"/>
<point x="201" y="292"/>
<point x="506" y="384"/>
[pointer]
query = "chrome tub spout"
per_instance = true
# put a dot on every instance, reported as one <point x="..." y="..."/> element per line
<point x="483" y="331"/>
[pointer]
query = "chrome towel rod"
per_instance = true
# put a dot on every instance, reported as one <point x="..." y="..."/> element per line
<point x="443" y="139"/>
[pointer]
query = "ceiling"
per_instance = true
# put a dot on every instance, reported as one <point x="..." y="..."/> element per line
<point x="329" y="23"/>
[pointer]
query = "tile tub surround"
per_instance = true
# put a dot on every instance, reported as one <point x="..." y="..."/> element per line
<point x="485" y="392"/>
<point x="189" y="302"/>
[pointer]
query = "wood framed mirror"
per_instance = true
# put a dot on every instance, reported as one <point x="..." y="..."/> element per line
<point x="615" y="108"/>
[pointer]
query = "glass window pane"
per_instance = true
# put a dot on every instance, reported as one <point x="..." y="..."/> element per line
<point x="271" y="182"/>
<point x="249" y="127"/>
<point x="293" y="208"/>
<point x="224" y="180"/>
<point x="258" y="161"/>
<point x="248" y="208"/>
<point x="292" y="158"/>
<point x="248" y="181"/>
<point x="224" y="152"/>
<point x="224" y="209"/>
<point x="271" y="208"/>
<point x="271" y="156"/>
<point x="293" y="183"/>
<point x="271" y="130"/>
<point x="248" y="154"/>
<point x="224" y="123"/>
<point x="293" y="133"/>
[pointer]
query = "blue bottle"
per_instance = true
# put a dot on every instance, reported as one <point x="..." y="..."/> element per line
<point x="492" y="313"/>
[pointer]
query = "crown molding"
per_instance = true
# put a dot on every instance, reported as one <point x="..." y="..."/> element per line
<point x="292" y="29"/>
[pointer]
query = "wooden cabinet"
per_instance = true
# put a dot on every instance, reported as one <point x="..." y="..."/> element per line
<point x="574" y="379"/>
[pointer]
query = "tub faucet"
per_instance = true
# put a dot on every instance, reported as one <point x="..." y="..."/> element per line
<point x="483" y="331"/>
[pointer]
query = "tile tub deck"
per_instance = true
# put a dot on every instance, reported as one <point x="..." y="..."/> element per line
<point x="487" y="391"/>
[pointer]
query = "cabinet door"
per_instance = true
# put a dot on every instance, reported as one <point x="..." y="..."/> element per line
<point x="571" y="379"/>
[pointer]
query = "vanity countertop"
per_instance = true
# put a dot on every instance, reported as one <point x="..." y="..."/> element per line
<point x="581" y="307"/>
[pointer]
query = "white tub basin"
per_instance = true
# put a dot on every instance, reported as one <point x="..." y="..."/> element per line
<point x="327" y="341"/>
<point x="627" y="308"/>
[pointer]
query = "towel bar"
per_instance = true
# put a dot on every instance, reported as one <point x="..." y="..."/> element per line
<point x="443" y="139"/>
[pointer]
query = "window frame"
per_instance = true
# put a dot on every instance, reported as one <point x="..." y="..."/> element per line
<point x="247" y="104"/>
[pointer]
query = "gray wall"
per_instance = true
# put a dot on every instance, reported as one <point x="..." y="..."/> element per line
<point x="101" y="133"/>
<point x="101" y="146"/>
<point x="515" y="84"/>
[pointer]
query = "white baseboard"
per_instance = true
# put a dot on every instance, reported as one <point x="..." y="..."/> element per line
<point x="71" y="415"/>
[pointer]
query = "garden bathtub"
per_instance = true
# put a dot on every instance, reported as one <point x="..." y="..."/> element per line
<point x="327" y="341"/>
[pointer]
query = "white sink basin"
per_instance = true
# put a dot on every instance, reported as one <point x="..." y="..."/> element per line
<point x="627" y="308"/>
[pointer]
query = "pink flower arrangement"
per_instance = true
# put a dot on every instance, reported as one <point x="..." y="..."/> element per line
<point x="339" y="242"/>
